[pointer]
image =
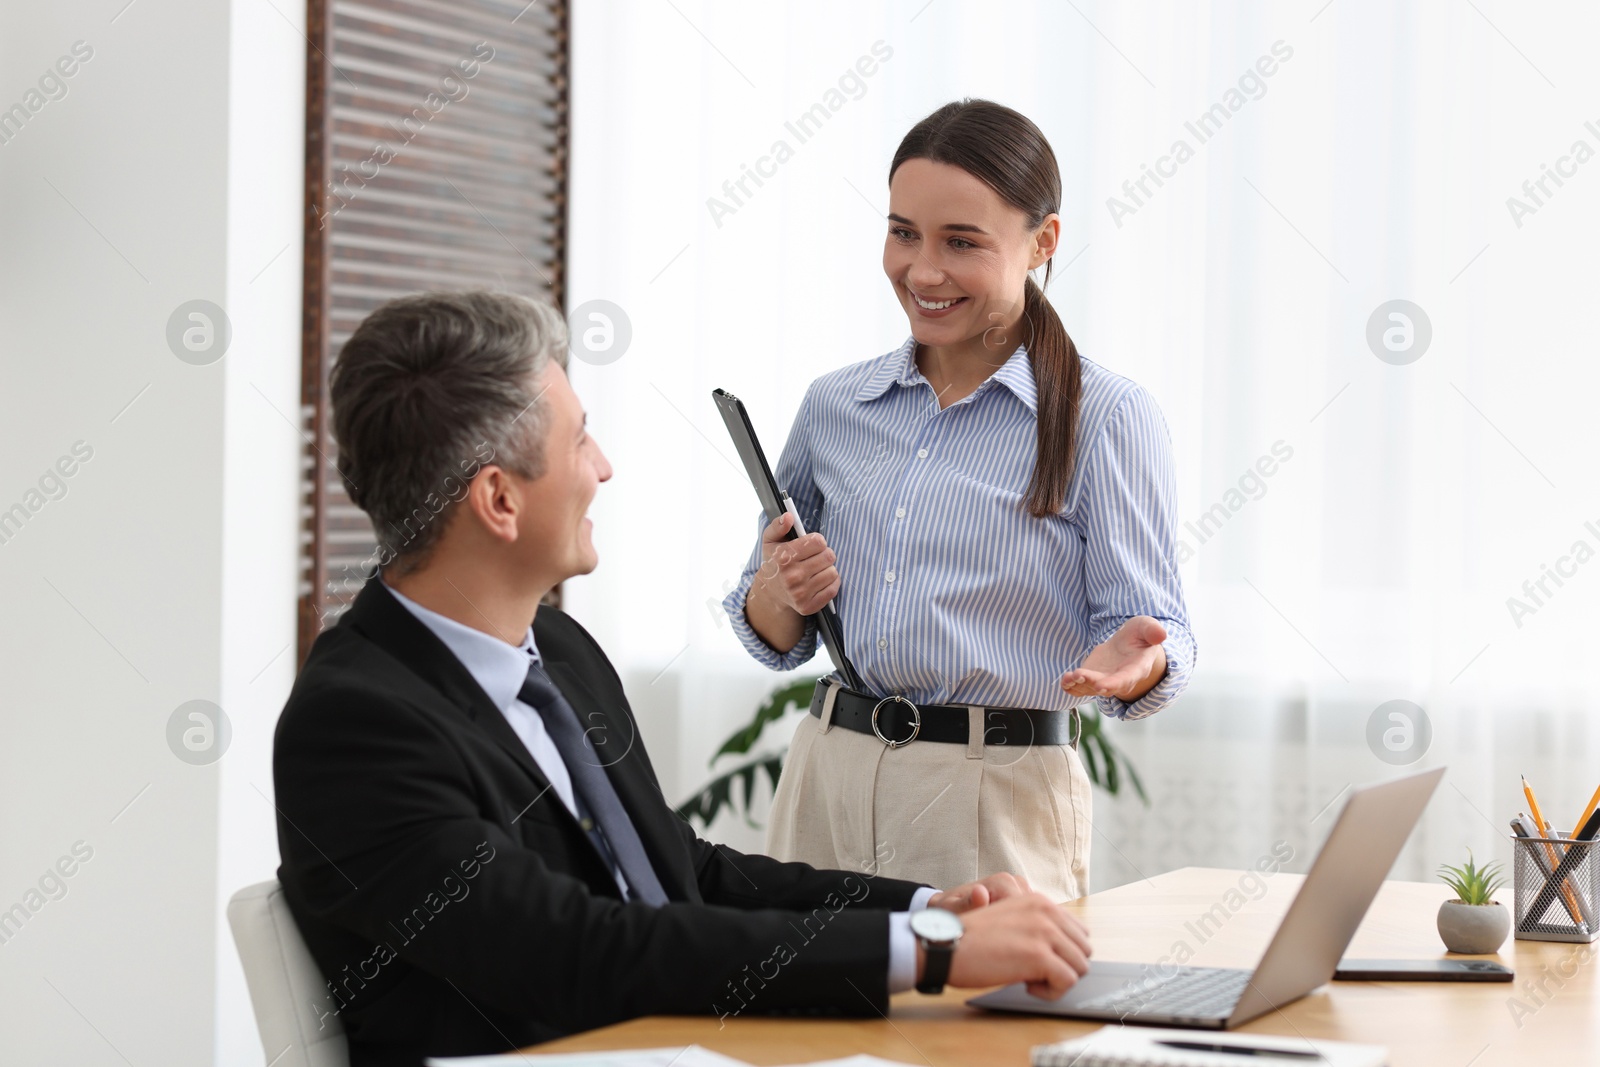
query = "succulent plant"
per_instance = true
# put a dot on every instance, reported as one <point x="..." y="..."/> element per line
<point x="1473" y="884"/>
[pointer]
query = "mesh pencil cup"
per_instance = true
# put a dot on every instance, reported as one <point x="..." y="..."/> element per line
<point x="1557" y="886"/>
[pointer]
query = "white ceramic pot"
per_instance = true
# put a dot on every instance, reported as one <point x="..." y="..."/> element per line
<point x="1473" y="928"/>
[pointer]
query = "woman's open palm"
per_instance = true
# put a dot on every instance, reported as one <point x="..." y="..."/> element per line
<point x="1125" y="665"/>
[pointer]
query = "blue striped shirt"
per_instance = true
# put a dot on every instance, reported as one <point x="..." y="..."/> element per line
<point x="951" y="592"/>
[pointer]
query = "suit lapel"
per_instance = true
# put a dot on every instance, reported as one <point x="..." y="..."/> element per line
<point x="385" y="620"/>
<point x="494" y="723"/>
<point x="378" y="614"/>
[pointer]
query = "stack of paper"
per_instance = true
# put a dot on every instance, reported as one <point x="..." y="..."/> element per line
<point x="688" y="1056"/>
<point x="682" y="1056"/>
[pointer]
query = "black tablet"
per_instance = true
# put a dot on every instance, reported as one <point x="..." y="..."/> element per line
<point x="737" y="419"/>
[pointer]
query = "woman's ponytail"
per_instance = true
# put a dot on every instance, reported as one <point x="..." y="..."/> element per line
<point x="1058" y="380"/>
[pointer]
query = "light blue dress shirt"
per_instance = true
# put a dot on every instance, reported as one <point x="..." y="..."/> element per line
<point x="951" y="592"/>
<point x="500" y="669"/>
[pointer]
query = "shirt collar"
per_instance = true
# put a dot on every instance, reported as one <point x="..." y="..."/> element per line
<point x="900" y="368"/>
<point x="499" y="669"/>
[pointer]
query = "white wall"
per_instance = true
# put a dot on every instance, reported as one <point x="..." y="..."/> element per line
<point x="261" y="464"/>
<point x="168" y="172"/>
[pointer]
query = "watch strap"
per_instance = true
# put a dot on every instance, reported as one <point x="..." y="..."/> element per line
<point x="936" y="957"/>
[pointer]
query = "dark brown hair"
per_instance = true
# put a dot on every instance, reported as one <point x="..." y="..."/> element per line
<point x="1004" y="150"/>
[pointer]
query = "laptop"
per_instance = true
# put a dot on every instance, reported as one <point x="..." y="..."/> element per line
<point x="1364" y="843"/>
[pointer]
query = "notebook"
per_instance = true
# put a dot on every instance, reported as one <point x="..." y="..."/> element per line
<point x="1143" y="1046"/>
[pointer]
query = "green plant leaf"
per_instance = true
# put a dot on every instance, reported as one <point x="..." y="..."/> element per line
<point x="1473" y="884"/>
<point x="795" y="694"/>
<point x="1138" y="783"/>
<point x="717" y="794"/>
<point x="1104" y="763"/>
<point x="1091" y="761"/>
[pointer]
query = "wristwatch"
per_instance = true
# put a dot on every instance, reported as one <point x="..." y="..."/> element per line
<point x="937" y="931"/>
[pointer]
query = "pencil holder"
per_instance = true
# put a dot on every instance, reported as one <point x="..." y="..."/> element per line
<point x="1557" y="886"/>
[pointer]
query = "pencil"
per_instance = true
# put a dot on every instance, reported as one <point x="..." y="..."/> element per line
<point x="1594" y="802"/>
<point x="1567" y="896"/>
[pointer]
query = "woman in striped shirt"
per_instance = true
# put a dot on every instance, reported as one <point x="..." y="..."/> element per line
<point x="1003" y="512"/>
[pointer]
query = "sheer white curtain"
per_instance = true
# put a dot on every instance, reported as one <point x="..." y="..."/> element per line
<point x="1335" y="158"/>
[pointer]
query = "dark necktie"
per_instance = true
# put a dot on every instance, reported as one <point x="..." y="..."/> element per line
<point x="596" y="799"/>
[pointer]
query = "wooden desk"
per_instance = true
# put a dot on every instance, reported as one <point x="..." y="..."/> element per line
<point x="1424" y="1023"/>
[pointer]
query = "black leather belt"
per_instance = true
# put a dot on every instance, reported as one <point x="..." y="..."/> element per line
<point x="896" y="721"/>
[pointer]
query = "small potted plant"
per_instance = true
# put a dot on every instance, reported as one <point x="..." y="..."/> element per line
<point x="1473" y="923"/>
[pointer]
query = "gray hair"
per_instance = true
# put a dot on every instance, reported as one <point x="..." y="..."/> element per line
<point x="429" y="389"/>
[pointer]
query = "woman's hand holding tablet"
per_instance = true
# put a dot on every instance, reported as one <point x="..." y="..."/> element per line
<point x="797" y="578"/>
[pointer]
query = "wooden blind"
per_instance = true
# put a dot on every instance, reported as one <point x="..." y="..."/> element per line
<point x="436" y="158"/>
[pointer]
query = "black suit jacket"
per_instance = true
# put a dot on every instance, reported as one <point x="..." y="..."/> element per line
<point x="454" y="904"/>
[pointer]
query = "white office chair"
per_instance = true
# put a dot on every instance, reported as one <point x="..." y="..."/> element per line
<point x="294" y="1012"/>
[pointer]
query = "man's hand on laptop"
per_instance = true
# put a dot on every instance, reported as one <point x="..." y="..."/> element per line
<point x="1026" y="937"/>
<point x="985" y="891"/>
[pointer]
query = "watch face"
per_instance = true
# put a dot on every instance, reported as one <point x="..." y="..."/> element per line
<point x="936" y="924"/>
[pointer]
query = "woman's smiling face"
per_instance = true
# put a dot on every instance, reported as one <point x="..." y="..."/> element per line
<point x="957" y="255"/>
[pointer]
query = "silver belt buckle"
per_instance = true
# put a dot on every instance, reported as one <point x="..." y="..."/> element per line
<point x="916" y="721"/>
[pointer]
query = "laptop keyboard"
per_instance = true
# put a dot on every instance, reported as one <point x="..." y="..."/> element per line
<point x="1190" y="991"/>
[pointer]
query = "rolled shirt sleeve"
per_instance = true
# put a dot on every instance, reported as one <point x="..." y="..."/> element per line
<point x="1130" y="527"/>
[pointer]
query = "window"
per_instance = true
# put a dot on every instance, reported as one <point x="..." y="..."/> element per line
<point x="436" y="158"/>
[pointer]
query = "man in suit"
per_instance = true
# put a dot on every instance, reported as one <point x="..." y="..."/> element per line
<point x="474" y="844"/>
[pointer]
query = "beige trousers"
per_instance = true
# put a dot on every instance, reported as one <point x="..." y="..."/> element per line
<point x="933" y="812"/>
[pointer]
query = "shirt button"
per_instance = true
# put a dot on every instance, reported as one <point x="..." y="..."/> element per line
<point x="889" y="577"/>
<point x="899" y="513"/>
<point x="587" y="824"/>
<point x="922" y="453"/>
<point x="883" y="643"/>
